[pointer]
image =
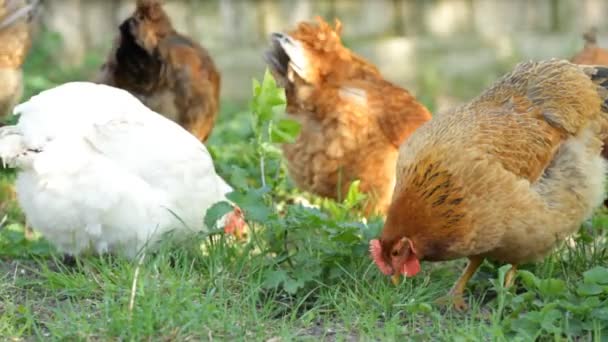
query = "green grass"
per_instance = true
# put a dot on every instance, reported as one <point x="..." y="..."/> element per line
<point x="305" y="275"/>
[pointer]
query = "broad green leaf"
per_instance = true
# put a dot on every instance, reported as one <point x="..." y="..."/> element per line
<point x="252" y="203"/>
<point x="40" y="247"/>
<point x="577" y="307"/>
<point x="529" y="279"/>
<point x="592" y="302"/>
<point x="13" y="236"/>
<point x="528" y="325"/>
<point x="550" y="320"/>
<point x="238" y="177"/>
<point x="588" y="289"/>
<point x="354" y="196"/>
<point x="524" y="298"/>
<point x="346" y="236"/>
<point x="266" y="96"/>
<point x="274" y="278"/>
<point x="292" y="285"/>
<point x="574" y="327"/>
<point x="551" y="287"/>
<point x="214" y="213"/>
<point x="285" y="131"/>
<point x="596" y="275"/>
<point x="274" y="98"/>
<point x="601" y="314"/>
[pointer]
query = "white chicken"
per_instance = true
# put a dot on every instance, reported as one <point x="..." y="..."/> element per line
<point x="97" y="170"/>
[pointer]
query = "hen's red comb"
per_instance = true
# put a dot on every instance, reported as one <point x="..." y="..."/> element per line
<point x="375" y="249"/>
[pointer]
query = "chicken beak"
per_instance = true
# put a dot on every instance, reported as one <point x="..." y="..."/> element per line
<point x="396" y="278"/>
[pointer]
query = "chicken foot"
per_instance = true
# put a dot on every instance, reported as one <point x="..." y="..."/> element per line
<point x="456" y="295"/>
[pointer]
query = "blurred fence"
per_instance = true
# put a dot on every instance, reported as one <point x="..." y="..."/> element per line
<point x="414" y="42"/>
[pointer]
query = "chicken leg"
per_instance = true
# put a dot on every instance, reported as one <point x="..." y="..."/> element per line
<point x="455" y="297"/>
<point x="510" y="276"/>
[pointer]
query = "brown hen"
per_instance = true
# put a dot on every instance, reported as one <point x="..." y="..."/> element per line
<point x="504" y="177"/>
<point x="167" y="71"/>
<point x="352" y="120"/>
<point x="15" y="42"/>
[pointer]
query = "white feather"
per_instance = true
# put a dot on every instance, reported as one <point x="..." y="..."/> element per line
<point x="98" y="169"/>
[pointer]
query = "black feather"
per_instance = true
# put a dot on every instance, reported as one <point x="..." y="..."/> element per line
<point x="139" y="67"/>
<point x="600" y="72"/>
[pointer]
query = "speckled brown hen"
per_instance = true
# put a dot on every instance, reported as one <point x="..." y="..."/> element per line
<point x="167" y="71"/>
<point x="15" y="42"/>
<point x="352" y="120"/>
<point x="505" y="177"/>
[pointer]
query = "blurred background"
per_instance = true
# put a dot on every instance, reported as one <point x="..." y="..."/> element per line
<point x="445" y="51"/>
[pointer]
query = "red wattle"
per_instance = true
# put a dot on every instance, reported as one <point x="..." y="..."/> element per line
<point x="411" y="266"/>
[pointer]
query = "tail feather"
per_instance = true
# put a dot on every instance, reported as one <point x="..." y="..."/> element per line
<point x="11" y="146"/>
<point x="598" y="74"/>
<point x="276" y="56"/>
<point x="277" y="59"/>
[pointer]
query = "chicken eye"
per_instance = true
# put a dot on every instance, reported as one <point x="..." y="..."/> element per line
<point x="395" y="253"/>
